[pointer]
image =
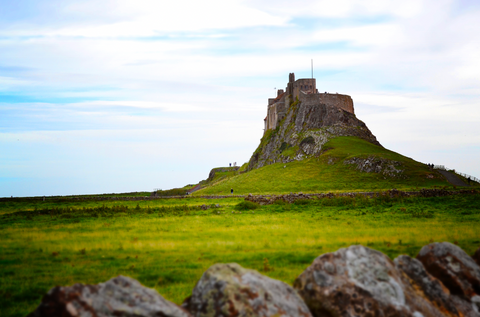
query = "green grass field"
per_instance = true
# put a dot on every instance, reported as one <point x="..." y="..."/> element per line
<point x="328" y="172"/>
<point x="167" y="244"/>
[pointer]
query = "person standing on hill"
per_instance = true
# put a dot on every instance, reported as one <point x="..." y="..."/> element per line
<point x="231" y="191"/>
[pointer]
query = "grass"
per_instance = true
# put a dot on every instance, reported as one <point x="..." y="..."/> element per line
<point x="328" y="172"/>
<point x="167" y="244"/>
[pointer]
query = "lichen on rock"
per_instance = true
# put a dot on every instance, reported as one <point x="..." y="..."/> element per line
<point x="231" y="290"/>
<point x="358" y="281"/>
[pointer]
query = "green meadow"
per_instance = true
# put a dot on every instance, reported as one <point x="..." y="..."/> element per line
<point x="168" y="243"/>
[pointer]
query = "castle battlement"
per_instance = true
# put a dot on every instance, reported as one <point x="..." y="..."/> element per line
<point x="305" y="90"/>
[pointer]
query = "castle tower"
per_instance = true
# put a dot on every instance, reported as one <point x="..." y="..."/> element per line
<point x="291" y="81"/>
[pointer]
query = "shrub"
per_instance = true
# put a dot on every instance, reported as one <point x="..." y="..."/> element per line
<point x="246" y="205"/>
<point x="308" y="140"/>
<point x="284" y="146"/>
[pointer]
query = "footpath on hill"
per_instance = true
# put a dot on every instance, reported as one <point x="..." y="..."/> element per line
<point x="452" y="178"/>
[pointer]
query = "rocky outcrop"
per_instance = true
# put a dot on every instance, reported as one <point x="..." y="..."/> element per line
<point x="372" y="164"/>
<point x="120" y="296"/>
<point x="307" y="126"/>
<point x="231" y="290"/>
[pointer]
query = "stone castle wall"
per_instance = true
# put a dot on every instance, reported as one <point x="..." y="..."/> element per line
<point x="271" y="121"/>
<point x="343" y="102"/>
<point x="305" y="90"/>
<point x="307" y="85"/>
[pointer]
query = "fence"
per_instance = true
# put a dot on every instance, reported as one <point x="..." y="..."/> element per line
<point x="443" y="168"/>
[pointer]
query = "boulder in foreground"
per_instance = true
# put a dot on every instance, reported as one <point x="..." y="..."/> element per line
<point x="120" y="296"/>
<point x="358" y="281"/>
<point x="457" y="271"/>
<point x="231" y="290"/>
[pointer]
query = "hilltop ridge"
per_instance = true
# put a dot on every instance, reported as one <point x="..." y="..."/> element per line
<point x="314" y="142"/>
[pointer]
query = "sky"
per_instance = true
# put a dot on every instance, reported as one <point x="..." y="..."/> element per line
<point x="110" y="96"/>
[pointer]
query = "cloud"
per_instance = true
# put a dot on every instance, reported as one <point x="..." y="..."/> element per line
<point x="103" y="79"/>
<point x="145" y="18"/>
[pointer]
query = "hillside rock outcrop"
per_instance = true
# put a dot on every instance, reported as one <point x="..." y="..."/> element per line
<point x="231" y="290"/>
<point x="379" y="165"/>
<point x="306" y="127"/>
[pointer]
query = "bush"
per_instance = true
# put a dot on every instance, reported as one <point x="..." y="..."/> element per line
<point x="246" y="205"/>
<point x="308" y="140"/>
<point x="284" y="146"/>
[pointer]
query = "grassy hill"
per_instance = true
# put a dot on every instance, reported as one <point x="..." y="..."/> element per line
<point x="338" y="168"/>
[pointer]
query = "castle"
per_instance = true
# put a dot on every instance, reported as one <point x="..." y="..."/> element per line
<point x="304" y="89"/>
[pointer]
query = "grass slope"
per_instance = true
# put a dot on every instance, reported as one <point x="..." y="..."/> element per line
<point x="167" y="246"/>
<point x="329" y="173"/>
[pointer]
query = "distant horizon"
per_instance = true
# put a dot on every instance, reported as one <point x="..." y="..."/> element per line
<point x="101" y="96"/>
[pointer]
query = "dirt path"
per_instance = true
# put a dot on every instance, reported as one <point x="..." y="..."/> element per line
<point x="194" y="189"/>
<point x="452" y="178"/>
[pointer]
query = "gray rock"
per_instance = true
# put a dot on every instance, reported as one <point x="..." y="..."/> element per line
<point x="231" y="290"/>
<point x="120" y="296"/>
<point x="358" y="281"/>
<point x="476" y="256"/>
<point x="451" y="265"/>
<point x="389" y="168"/>
<point x="431" y="287"/>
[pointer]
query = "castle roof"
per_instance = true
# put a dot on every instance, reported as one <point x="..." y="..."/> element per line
<point x="279" y="97"/>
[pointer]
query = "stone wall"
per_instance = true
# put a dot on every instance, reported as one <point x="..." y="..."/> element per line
<point x="442" y="281"/>
<point x="307" y="85"/>
<point x="271" y="121"/>
<point x="343" y="102"/>
<point x="293" y="197"/>
<point x="276" y="111"/>
<point x="261" y="199"/>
